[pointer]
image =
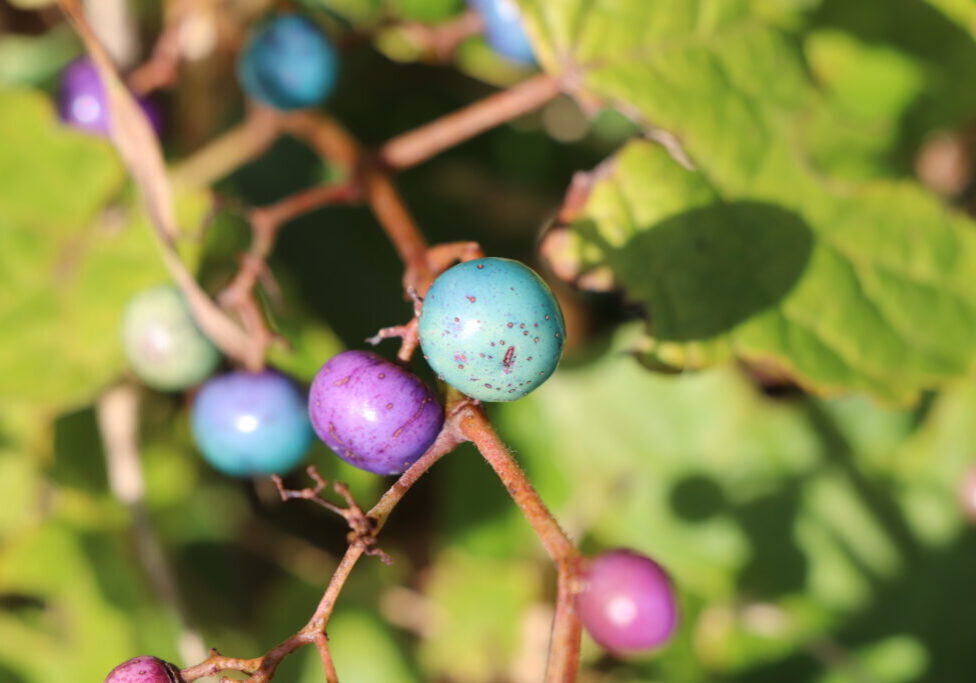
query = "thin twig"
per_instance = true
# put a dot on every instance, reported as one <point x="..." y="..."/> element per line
<point x="420" y="144"/>
<point x="322" y="645"/>
<point x="118" y="424"/>
<point x="220" y="157"/>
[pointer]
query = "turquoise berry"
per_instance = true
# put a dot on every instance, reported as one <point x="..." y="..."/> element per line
<point x="251" y="423"/>
<point x="289" y="64"/>
<point x="492" y="329"/>
<point x="162" y="342"/>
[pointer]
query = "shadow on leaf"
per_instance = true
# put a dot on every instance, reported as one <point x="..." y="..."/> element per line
<point x="703" y="272"/>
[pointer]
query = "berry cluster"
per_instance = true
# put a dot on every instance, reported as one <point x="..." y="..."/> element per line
<point x="488" y="327"/>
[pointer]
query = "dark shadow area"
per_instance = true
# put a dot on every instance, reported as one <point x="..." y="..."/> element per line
<point x="8" y="676"/>
<point x="879" y="501"/>
<point x="223" y="582"/>
<point x="704" y="271"/>
<point x="78" y="458"/>
<point x="776" y="564"/>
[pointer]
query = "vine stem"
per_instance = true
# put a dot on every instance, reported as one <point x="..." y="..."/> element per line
<point x="415" y="146"/>
<point x="564" y="644"/>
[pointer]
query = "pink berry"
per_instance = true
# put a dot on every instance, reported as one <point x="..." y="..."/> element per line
<point x="967" y="494"/>
<point x="144" y="669"/>
<point x="628" y="603"/>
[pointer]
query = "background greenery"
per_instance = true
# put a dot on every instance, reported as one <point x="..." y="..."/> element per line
<point x="775" y="399"/>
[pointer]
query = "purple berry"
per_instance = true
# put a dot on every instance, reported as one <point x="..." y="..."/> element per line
<point x="144" y="670"/>
<point x="374" y="414"/>
<point x="83" y="102"/>
<point x="628" y="603"/>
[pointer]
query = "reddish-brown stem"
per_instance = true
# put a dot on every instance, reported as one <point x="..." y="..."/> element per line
<point x="566" y="628"/>
<point x="564" y="643"/>
<point x="400" y="227"/>
<point x="446" y="441"/>
<point x="420" y="144"/>
<point x="322" y="645"/>
<point x="441" y="42"/>
<point x="162" y="67"/>
<point x="478" y="429"/>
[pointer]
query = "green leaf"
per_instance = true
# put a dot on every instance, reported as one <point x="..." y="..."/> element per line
<point x="784" y="523"/>
<point x="68" y="265"/>
<point x="756" y="253"/>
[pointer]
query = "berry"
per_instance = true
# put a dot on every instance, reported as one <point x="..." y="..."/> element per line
<point x="492" y="329"/>
<point x="83" y="104"/>
<point x="144" y="670"/>
<point x="967" y="494"/>
<point x="374" y="414"/>
<point x="503" y="29"/>
<point x="162" y="342"/>
<point x="288" y="64"/>
<point x="251" y="423"/>
<point x="628" y="603"/>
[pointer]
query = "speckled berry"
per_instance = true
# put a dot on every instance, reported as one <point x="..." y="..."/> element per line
<point x="503" y="29"/>
<point x="82" y="101"/>
<point x="628" y="603"/>
<point x="492" y="329"/>
<point x="144" y="670"/>
<point x="251" y="423"/>
<point x="374" y="414"/>
<point x="162" y="342"/>
<point x="288" y="64"/>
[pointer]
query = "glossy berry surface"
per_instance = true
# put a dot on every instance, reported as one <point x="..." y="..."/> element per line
<point x="288" y="64"/>
<point x="503" y="29"/>
<point x="375" y="415"/>
<point x="251" y="423"/>
<point x="144" y="670"/>
<point x="82" y="101"/>
<point x="628" y="603"/>
<point x="492" y="329"/>
<point x="162" y="342"/>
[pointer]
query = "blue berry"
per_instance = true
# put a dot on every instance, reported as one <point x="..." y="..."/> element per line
<point x="162" y="342"/>
<point x="492" y="329"/>
<point x="288" y="64"/>
<point x="503" y="29"/>
<point x="251" y="423"/>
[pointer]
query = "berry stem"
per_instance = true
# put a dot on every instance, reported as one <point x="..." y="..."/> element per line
<point x="478" y="429"/>
<point x="564" y="644"/>
<point x="420" y="144"/>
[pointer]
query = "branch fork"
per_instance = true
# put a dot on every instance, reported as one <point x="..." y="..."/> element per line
<point x="362" y="527"/>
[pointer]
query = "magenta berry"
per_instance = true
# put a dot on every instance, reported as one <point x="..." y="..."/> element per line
<point x="374" y="414"/>
<point x="144" y="670"/>
<point x="628" y="603"/>
<point x="967" y="494"/>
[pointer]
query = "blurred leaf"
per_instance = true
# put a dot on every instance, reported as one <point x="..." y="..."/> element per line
<point x="364" y="650"/>
<point x="767" y="513"/>
<point x="480" y="606"/>
<point x="68" y="276"/>
<point x="29" y="60"/>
